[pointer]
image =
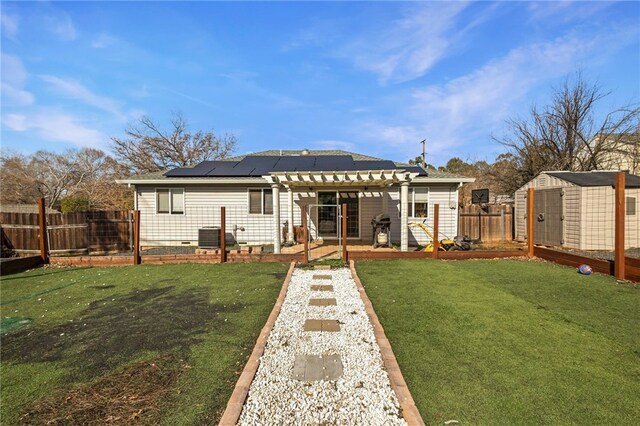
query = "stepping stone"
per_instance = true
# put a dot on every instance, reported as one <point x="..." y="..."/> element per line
<point x="322" y="325"/>
<point x="321" y="287"/>
<point x="321" y="277"/>
<point x="310" y="368"/>
<point x="322" y="302"/>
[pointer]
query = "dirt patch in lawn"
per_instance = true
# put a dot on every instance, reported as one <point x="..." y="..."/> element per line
<point x="112" y="331"/>
<point x="129" y="396"/>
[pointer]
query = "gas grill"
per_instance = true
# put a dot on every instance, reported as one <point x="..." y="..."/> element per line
<point x="381" y="225"/>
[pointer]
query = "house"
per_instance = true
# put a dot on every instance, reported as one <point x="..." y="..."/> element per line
<point x="263" y="194"/>
<point x="576" y="210"/>
<point x="615" y="151"/>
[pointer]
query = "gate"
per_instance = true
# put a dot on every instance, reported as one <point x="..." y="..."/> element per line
<point x="325" y="231"/>
<point x="547" y="208"/>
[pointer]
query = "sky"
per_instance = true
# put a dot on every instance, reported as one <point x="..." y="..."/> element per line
<point x="369" y="77"/>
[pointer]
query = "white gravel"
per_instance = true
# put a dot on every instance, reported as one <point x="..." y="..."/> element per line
<point x="363" y="394"/>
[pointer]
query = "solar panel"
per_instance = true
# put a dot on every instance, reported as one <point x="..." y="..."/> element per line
<point x="200" y="170"/>
<point x="263" y="165"/>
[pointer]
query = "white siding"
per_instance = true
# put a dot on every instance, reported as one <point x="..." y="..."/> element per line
<point x="571" y="209"/>
<point x="597" y="228"/>
<point x="202" y="208"/>
<point x="445" y="196"/>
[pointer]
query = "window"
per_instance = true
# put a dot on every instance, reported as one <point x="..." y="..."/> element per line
<point x="170" y="201"/>
<point x="630" y="206"/>
<point x="419" y="203"/>
<point x="260" y="201"/>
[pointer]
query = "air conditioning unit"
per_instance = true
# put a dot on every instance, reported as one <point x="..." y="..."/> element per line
<point x="209" y="237"/>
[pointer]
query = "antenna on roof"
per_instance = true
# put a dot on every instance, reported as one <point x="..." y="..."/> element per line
<point x="424" y="153"/>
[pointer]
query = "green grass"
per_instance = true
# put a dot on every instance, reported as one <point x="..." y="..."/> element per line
<point x="93" y="323"/>
<point x="511" y="342"/>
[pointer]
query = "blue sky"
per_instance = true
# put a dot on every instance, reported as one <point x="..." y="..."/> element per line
<point x="372" y="77"/>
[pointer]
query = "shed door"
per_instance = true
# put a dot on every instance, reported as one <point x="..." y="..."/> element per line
<point x="547" y="208"/>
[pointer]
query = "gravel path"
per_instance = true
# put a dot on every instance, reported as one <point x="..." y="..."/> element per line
<point x="362" y="395"/>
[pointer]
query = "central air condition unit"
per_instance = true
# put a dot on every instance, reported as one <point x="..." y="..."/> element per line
<point x="209" y="237"/>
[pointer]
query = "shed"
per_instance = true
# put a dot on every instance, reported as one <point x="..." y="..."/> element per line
<point x="577" y="210"/>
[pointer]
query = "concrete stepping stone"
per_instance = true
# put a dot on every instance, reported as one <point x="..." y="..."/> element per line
<point x="311" y="368"/>
<point x="321" y="277"/>
<point x="322" y="302"/>
<point x="322" y="268"/>
<point x="321" y="287"/>
<point x="322" y="325"/>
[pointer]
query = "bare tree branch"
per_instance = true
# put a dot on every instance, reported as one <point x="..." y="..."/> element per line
<point x="147" y="148"/>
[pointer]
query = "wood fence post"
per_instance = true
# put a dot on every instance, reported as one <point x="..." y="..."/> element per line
<point x="502" y="224"/>
<point x="223" y="235"/>
<point x="305" y="232"/>
<point x="42" y="224"/>
<point x="344" y="232"/>
<point x="436" y="228"/>
<point x="136" y="237"/>
<point x="619" y="261"/>
<point x="530" y="197"/>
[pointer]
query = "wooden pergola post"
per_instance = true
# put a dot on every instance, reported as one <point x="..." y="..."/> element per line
<point x="136" y="237"/>
<point x="530" y="214"/>
<point x="619" y="260"/>
<point x="436" y="220"/>
<point x="305" y="232"/>
<point x="42" y="224"/>
<point x="223" y="234"/>
<point x="344" y="232"/>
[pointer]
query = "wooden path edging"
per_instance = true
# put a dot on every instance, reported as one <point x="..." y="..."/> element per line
<point x="407" y="405"/>
<point x="232" y="413"/>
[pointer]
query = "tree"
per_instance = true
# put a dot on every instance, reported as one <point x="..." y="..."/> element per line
<point x="87" y="173"/>
<point x="148" y="148"/>
<point x="418" y="162"/>
<point x="565" y="134"/>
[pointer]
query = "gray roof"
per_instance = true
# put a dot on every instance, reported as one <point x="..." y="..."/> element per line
<point x="265" y="162"/>
<point x="595" y="178"/>
<point x="261" y="165"/>
<point x="296" y="152"/>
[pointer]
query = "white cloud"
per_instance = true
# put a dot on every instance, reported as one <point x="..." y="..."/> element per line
<point x="103" y="41"/>
<point x="141" y="92"/>
<point x="463" y="111"/>
<point x="15" y="122"/>
<point x="14" y="76"/>
<point x="62" y="26"/>
<point x="408" y="48"/>
<point x="55" y="126"/>
<point x="9" y="25"/>
<point x="75" y="90"/>
<point x="15" y="95"/>
<point x="555" y="12"/>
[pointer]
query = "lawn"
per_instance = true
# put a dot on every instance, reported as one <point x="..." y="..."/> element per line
<point x="150" y="343"/>
<point x="511" y="341"/>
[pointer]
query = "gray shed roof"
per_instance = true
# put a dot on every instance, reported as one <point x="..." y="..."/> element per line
<point x="595" y="178"/>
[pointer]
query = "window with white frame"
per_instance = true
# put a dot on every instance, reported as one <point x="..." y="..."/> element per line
<point x="419" y="202"/>
<point x="261" y="201"/>
<point x="170" y="200"/>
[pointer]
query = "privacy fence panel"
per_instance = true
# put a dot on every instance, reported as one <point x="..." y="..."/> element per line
<point x="489" y="223"/>
<point x="95" y="232"/>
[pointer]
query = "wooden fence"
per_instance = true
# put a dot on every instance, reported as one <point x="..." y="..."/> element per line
<point x="492" y="223"/>
<point x="86" y="232"/>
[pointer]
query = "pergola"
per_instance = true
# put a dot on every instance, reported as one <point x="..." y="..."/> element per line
<point x="352" y="178"/>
